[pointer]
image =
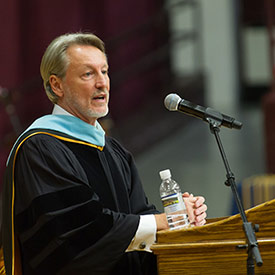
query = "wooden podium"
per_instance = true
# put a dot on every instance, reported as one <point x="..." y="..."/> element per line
<point x="213" y="248"/>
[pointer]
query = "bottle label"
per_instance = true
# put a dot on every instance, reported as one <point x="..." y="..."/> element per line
<point x="173" y="203"/>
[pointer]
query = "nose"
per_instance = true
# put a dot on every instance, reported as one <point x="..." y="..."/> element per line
<point x="102" y="81"/>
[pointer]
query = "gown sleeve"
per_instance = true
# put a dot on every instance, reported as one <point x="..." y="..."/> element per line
<point x="60" y="222"/>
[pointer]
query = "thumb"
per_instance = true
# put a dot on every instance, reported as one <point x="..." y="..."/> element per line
<point x="185" y="195"/>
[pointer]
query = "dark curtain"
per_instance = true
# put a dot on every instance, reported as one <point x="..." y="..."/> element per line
<point x="132" y="31"/>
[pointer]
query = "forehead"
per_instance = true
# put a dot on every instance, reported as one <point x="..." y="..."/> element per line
<point x="80" y="54"/>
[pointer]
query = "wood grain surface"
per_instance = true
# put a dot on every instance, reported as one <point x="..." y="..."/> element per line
<point x="214" y="247"/>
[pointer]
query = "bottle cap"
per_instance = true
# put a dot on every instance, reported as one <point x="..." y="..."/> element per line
<point x="165" y="174"/>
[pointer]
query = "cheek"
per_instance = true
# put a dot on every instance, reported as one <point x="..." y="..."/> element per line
<point x="84" y="90"/>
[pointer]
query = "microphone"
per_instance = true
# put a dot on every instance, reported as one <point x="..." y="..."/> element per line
<point x="174" y="103"/>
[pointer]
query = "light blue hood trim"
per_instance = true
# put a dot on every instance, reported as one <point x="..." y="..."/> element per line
<point x="71" y="126"/>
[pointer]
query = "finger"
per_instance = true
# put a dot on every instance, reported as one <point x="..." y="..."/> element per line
<point x="200" y="223"/>
<point x="200" y="210"/>
<point x="190" y="201"/>
<point x="185" y="194"/>
<point x="199" y="201"/>
<point x="200" y="218"/>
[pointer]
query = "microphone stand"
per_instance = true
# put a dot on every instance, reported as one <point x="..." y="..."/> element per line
<point x="252" y="244"/>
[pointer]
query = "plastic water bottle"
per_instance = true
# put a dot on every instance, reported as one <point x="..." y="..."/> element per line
<point x="172" y="201"/>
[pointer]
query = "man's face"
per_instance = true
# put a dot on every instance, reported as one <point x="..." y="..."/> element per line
<point x="86" y="84"/>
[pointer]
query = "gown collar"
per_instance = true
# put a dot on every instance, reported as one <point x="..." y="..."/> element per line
<point x="63" y="122"/>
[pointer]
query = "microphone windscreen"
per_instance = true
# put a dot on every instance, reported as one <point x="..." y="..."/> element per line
<point x="171" y="102"/>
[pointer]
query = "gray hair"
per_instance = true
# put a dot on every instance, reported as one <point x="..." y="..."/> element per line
<point x="55" y="60"/>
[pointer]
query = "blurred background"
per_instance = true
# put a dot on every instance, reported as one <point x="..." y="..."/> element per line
<point x="216" y="53"/>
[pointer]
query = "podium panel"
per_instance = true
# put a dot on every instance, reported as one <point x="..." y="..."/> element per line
<point x="219" y="247"/>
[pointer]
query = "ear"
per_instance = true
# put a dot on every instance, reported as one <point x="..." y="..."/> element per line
<point x="56" y="85"/>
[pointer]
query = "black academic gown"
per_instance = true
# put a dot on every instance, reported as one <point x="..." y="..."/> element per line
<point x="76" y="207"/>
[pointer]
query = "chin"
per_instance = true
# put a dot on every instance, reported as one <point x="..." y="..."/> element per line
<point x="99" y="114"/>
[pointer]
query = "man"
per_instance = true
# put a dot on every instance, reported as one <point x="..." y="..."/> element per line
<point x="73" y="201"/>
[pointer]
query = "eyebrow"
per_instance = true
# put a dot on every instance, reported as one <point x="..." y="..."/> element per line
<point x="90" y="65"/>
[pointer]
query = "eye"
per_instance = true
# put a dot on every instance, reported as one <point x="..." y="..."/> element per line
<point x="104" y="71"/>
<point x="87" y="74"/>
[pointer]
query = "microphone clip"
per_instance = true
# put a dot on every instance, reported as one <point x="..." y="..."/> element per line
<point x="213" y="117"/>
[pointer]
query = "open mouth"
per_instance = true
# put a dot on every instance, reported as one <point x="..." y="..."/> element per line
<point x="99" y="97"/>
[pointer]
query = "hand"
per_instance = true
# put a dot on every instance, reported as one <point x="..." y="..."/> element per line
<point x="196" y="209"/>
<point x="161" y="221"/>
